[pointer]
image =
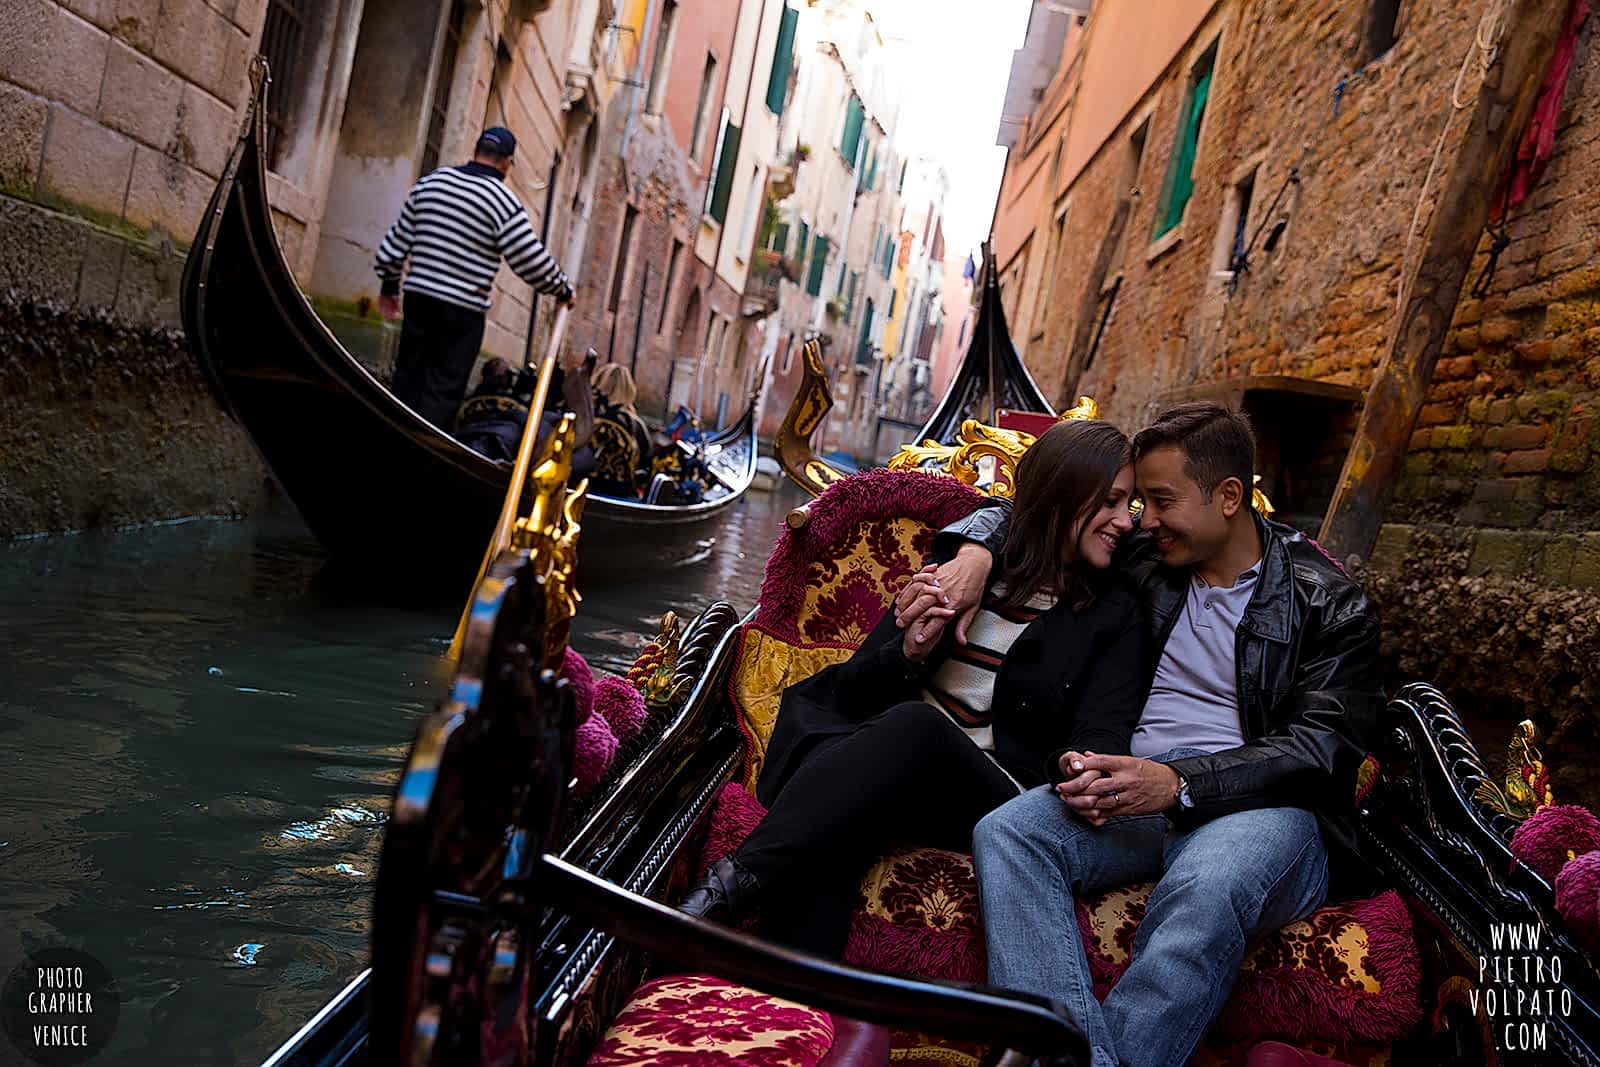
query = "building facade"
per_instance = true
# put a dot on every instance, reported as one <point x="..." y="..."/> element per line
<point x="1220" y="199"/>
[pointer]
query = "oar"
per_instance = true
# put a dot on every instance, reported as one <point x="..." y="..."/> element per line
<point x="519" y="473"/>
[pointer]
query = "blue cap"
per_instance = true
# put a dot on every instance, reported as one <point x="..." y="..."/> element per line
<point x="497" y="141"/>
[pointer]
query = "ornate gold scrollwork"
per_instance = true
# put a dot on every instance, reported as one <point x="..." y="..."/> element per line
<point x="654" y="673"/>
<point x="549" y="534"/>
<point x="983" y="456"/>
<point x="1525" y="782"/>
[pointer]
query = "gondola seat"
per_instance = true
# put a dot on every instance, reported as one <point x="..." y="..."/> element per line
<point x="1345" y="981"/>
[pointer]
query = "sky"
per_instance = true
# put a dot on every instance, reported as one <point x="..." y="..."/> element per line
<point x="958" y="58"/>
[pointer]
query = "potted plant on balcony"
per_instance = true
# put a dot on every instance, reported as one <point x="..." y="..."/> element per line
<point x="802" y="152"/>
<point x="835" y="308"/>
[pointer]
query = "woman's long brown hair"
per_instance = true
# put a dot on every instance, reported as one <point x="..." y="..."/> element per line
<point x="1061" y="482"/>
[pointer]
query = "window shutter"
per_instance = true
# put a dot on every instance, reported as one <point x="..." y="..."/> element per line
<point x="803" y="249"/>
<point x="872" y="169"/>
<point x="850" y="300"/>
<point x="864" y="348"/>
<point x="727" y="157"/>
<point x="851" y="140"/>
<point x="1179" y="185"/>
<point x="819" y="263"/>
<point x="782" y="62"/>
<point x="780" y="238"/>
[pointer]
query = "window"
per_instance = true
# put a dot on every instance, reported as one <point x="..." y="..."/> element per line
<point x="804" y="248"/>
<point x="850" y="295"/>
<point x="439" y="107"/>
<point x="697" y="136"/>
<point x="850" y="141"/>
<point x="788" y="354"/>
<point x="672" y="276"/>
<point x="894" y="301"/>
<point x="871" y="156"/>
<point x="282" y="42"/>
<point x="619" y="267"/>
<point x="888" y="255"/>
<point x="1243" y="193"/>
<point x="752" y="202"/>
<point x="778" y="240"/>
<point x="1382" y="21"/>
<point x="864" y="347"/>
<point x="1179" y="185"/>
<point x="819" y="263"/>
<point x="661" y="62"/>
<point x="727" y="157"/>
<point x="782" y="62"/>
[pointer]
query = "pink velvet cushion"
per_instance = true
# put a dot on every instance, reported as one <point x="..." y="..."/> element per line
<point x="687" y="1020"/>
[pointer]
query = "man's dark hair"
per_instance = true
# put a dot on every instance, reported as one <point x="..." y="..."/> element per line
<point x="1216" y="441"/>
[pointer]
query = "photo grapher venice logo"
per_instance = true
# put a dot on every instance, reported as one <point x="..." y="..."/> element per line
<point x="60" y="1006"/>
<point x="1519" y="988"/>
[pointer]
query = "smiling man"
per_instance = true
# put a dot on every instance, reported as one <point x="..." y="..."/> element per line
<point x="1263" y="698"/>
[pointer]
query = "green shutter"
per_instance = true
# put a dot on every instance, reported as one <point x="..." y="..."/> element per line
<point x="803" y="249"/>
<point x="863" y="348"/>
<point x="872" y="169"/>
<point x="851" y="141"/>
<point x="819" y="263"/>
<point x="780" y="238"/>
<point x="1179" y="185"/>
<point x="782" y="62"/>
<point x="727" y="159"/>
<point x="850" y="301"/>
<point x="888" y="257"/>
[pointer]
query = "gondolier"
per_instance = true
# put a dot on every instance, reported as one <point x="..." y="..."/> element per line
<point x="456" y="226"/>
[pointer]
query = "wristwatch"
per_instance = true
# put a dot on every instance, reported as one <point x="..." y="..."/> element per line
<point x="1185" y="801"/>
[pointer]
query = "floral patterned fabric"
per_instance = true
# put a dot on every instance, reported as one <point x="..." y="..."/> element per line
<point x="765" y="668"/>
<point x="701" y="1021"/>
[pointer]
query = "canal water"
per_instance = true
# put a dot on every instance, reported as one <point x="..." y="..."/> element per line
<point x="199" y="734"/>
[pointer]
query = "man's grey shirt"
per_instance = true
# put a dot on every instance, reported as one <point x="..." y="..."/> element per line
<point x="1194" y="700"/>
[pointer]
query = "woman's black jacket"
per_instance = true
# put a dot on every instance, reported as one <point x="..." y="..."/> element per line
<point x="1073" y="680"/>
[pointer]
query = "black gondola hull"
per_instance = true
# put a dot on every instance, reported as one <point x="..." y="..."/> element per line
<point x="377" y="484"/>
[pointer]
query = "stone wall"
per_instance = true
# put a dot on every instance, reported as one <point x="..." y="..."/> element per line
<point x="1491" y="617"/>
<point x="104" y="417"/>
<point x="1507" y="437"/>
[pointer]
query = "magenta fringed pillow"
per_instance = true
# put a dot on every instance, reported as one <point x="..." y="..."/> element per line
<point x="1551" y="836"/>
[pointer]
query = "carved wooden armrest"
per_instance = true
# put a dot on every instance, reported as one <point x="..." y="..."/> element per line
<point x="1002" y="1019"/>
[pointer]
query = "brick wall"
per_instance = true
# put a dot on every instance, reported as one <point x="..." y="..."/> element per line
<point x="1507" y="436"/>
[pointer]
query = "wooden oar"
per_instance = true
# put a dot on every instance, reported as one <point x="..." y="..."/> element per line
<point x="519" y="473"/>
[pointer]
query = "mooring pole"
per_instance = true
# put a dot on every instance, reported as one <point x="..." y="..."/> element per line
<point x="1488" y="147"/>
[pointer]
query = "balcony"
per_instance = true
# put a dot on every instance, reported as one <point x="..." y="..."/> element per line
<point x="768" y="272"/>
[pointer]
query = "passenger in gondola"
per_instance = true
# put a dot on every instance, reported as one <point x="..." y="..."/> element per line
<point x="456" y="225"/>
<point x="491" y="420"/>
<point x="914" y="738"/>
<point x="1236" y="797"/>
<point x="622" y="441"/>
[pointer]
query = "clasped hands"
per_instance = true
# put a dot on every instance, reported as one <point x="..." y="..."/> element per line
<point x="1098" y="787"/>
<point x="936" y="594"/>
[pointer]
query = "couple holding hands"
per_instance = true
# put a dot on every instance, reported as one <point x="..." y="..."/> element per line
<point x="1086" y="705"/>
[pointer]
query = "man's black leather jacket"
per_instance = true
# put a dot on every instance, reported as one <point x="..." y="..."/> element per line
<point x="1307" y="658"/>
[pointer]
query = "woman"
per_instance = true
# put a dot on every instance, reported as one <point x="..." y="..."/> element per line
<point x="915" y="738"/>
<point x="614" y="393"/>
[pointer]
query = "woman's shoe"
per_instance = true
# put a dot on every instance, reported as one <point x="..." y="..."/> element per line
<point x="727" y="894"/>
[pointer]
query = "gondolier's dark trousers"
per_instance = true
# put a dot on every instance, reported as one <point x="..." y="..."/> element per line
<point x="906" y="776"/>
<point x="439" y="343"/>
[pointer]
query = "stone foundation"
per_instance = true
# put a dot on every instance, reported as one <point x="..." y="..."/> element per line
<point x="104" y="416"/>
<point x="1507" y="624"/>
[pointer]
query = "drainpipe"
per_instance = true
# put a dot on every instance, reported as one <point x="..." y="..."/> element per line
<point x="533" y="306"/>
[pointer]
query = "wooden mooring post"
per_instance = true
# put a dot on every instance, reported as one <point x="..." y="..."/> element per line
<point x="1488" y="147"/>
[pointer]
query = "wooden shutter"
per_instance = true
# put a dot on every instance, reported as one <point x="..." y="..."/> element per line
<point x="782" y="62"/>
<point x="819" y="263"/>
<point x="727" y="159"/>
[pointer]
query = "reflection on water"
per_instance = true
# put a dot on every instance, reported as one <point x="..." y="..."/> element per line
<point x="199" y="733"/>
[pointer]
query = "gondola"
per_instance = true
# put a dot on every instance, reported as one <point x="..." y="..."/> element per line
<point x="992" y="386"/>
<point x="376" y="483"/>
<point x="524" y="920"/>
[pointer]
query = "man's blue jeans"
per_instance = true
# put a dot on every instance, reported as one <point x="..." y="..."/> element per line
<point x="1219" y="886"/>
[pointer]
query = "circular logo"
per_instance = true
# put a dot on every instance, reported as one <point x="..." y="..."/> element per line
<point x="59" y="1006"/>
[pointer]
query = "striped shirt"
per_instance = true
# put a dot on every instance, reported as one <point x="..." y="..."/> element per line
<point x="963" y="685"/>
<point x="455" y="226"/>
